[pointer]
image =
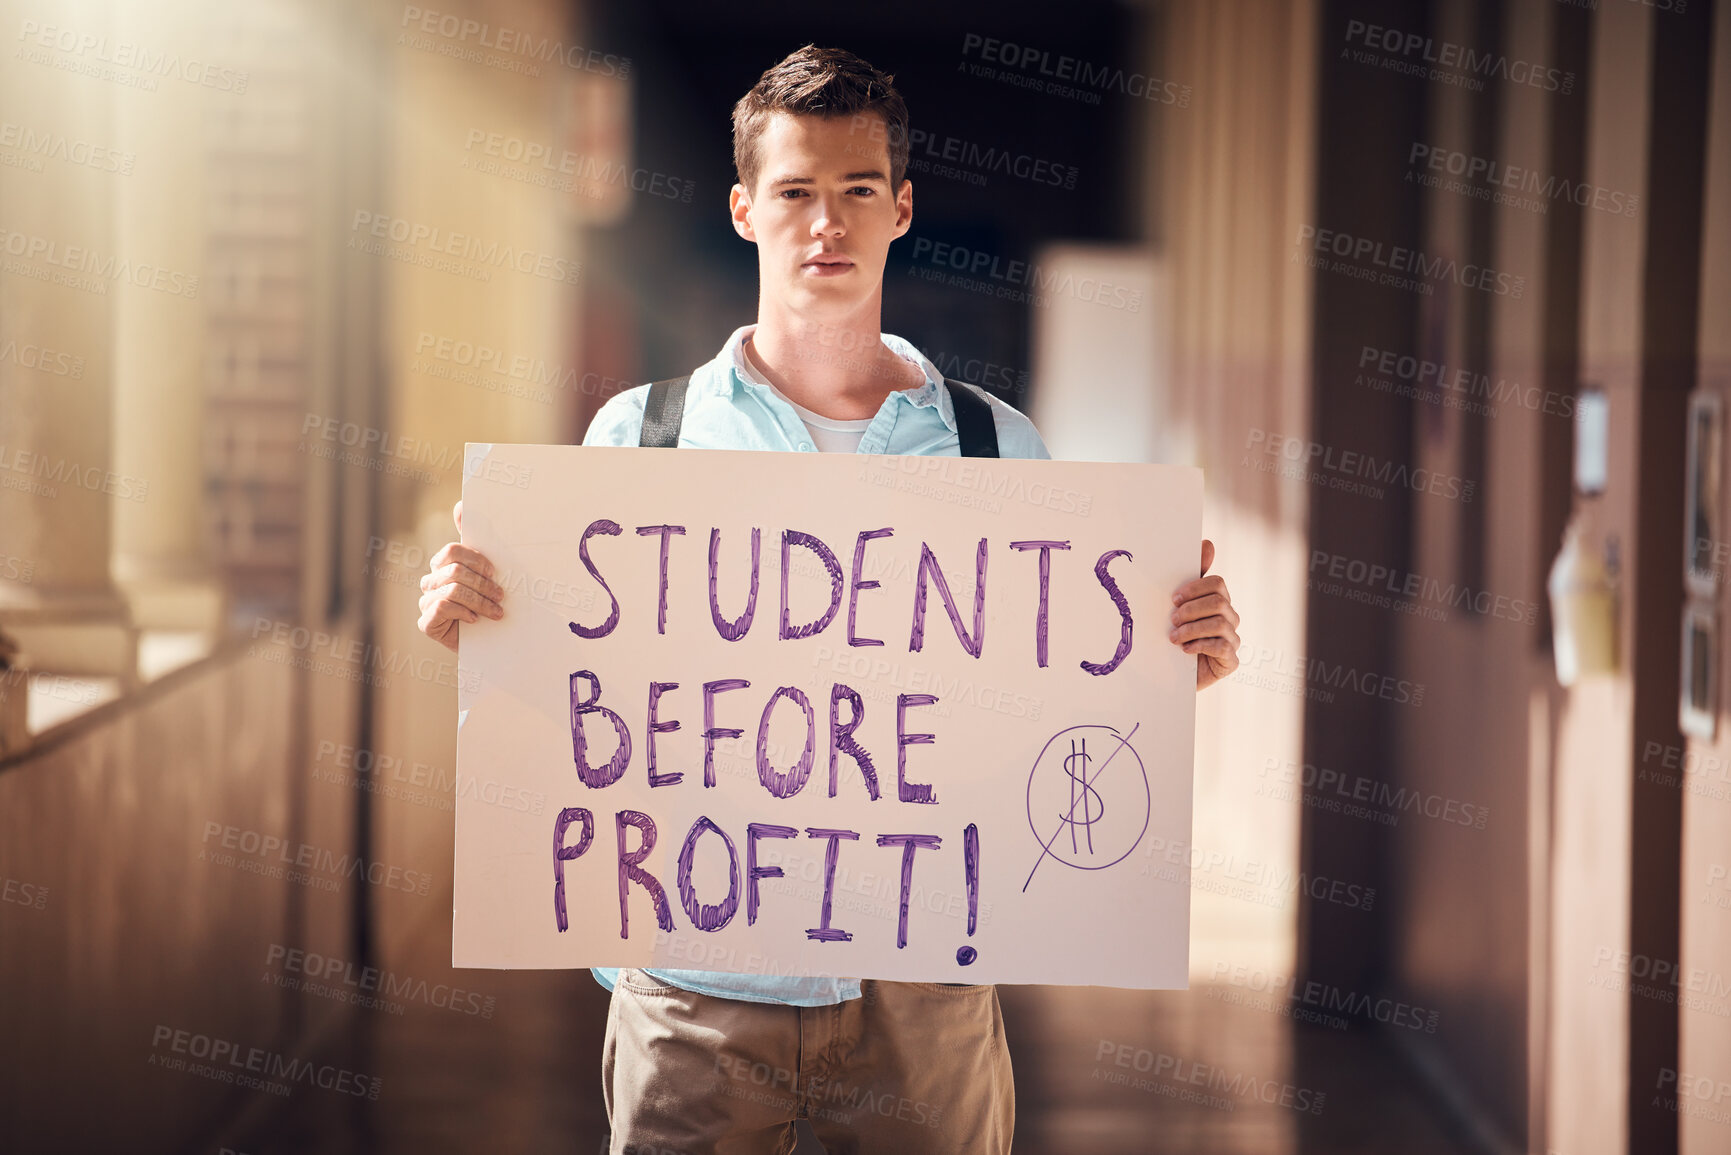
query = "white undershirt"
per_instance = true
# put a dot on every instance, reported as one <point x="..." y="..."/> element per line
<point x="829" y="434"/>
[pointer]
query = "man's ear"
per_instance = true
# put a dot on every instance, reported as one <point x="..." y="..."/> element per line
<point x="904" y="206"/>
<point x="739" y="208"/>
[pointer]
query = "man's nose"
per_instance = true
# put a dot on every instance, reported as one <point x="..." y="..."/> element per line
<point x="827" y="222"/>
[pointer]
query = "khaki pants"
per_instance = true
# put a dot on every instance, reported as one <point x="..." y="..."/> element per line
<point x="914" y="1067"/>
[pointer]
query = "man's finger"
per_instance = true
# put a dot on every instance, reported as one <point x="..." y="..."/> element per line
<point x="441" y="630"/>
<point x="446" y="611"/>
<point x="1208" y="605"/>
<point x="433" y="600"/>
<point x="465" y="596"/>
<point x="1214" y="627"/>
<point x="1199" y="587"/>
<point x="461" y="574"/>
<point x="1220" y="648"/>
<point x="1207" y="554"/>
<point x="1211" y="669"/>
<point x="456" y="551"/>
<point x="457" y="516"/>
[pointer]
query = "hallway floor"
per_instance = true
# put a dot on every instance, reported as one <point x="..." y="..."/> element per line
<point x="1102" y="1071"/>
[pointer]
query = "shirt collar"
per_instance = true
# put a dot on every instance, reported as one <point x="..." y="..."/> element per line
<point x="723" y="376"/>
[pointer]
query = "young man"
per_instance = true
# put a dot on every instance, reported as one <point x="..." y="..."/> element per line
<point x="704" y="1062"/>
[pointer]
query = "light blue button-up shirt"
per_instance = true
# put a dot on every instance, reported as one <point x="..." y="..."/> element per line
<point x="724" y="409"/>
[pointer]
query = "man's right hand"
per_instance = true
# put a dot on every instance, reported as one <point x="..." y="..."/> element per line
<point x="459" y="588"/>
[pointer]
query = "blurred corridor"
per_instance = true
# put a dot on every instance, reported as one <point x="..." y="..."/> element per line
<point x="1420" y="286"/>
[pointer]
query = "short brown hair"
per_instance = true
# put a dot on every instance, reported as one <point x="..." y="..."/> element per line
<point x="826" y="82"/>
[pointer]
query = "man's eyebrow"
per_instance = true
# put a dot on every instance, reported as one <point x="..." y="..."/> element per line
<point x="847" y="178"/>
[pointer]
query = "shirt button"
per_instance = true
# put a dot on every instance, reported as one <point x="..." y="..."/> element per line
<point x="808" y="449"/>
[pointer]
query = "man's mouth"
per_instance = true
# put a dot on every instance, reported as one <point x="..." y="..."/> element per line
<point x="828" y="261"/>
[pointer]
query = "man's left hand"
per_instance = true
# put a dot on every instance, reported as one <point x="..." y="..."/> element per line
<point x="1205" y="624"/>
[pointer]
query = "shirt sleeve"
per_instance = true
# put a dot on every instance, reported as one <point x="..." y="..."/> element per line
<point x="620" y="421"/>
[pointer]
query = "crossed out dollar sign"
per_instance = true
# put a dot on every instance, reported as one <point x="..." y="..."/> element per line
<point x="1131" y="805"/>
<point x="1079" y="783"/>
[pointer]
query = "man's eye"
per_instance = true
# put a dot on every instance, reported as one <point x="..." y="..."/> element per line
<point x="792" y="192"/>
<point x="864" y="188"/>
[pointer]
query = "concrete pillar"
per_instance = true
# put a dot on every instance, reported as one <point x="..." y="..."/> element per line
<point x="62" y="273"/>
<point x="161" y="551"/>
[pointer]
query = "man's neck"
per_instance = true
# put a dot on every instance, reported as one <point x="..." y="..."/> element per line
<point x="839" y="371"/>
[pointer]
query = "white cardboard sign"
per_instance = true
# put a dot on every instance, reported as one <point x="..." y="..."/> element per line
<point x="929" y="735"/>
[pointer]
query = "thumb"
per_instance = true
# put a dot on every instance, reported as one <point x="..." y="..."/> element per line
<point x="457" y="514"/>
<point x="1207" y="556"/>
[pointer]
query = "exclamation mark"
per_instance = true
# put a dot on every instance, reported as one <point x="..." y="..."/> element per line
<point x="971" y="865"/>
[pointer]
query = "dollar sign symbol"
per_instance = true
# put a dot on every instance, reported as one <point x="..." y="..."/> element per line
<point x="1082" y="794"/>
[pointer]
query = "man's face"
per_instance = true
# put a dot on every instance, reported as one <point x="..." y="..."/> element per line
<point x="822" y="214"/>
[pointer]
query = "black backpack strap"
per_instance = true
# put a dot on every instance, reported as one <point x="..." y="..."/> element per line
<point x="975" y="429"/>
<point x="664" y="413"/>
